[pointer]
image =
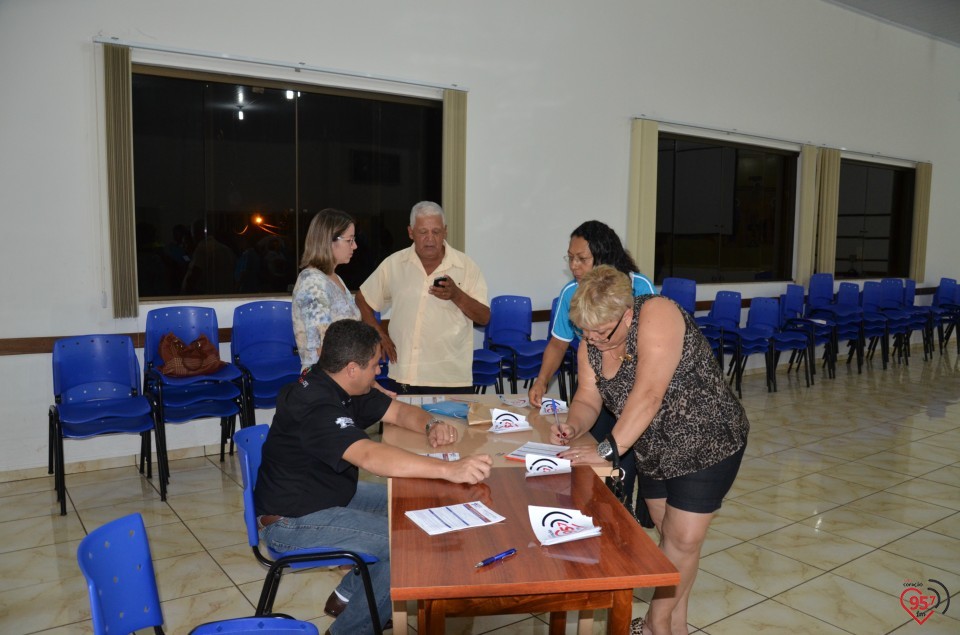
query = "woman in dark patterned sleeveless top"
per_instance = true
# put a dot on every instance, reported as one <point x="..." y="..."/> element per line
<point x="647" y="361"/>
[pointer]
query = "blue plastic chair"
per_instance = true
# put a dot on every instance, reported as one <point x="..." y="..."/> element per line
<point x="115" y="561"/>
<point x="763" y="334"/>
<point x="946" y="305"/>
<point x="682" y="291"/>
<point x="821" y="331"/>
<point x="900" y="323"/>
<point x="486" y="371"/>
<point x="508" y="334"/>
<point x="264" y="349"/>
<point x="876" y="324"/>
<point x="96" y="388"/>
<point x="820" y="292"/>
<point x="180" y="399"/>
<point x="721" y="327"/>
<point x="249" y="442"/>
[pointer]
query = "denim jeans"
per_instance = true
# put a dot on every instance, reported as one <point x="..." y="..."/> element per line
<point x="360" y="526"/>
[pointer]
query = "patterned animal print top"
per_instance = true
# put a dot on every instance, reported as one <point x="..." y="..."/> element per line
<point x="700" y="421"/>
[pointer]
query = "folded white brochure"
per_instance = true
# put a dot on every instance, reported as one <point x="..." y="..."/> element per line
<point x="516" y="402"/>
<point x="506" y="421"/>
<point x="440" y="520"/>
<point x="553" y="407"/>
<point x="443" y="456"/>
<point x="539" y="465"/>
<point x="553" y="525"/>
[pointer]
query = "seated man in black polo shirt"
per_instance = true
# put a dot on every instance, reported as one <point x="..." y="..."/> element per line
<point x="308" y="493"/>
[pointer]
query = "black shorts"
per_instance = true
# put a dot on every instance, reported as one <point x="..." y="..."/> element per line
<point x="700" y="492"/>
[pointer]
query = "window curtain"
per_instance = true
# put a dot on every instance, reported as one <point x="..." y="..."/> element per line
<point x="454" y="165"/>
<point x="828" y="193"/>
<point x="642" y="195"/>
<point x="119" y="151"/>
<point x="921" y="215"/>
<point x="807" y="216"/>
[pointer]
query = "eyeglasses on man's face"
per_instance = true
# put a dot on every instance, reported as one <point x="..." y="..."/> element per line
<point x="577" y="260"/>
<point x="594" y="337"/>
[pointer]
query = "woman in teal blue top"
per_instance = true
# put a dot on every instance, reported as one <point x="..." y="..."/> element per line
<point x="591" y="244"/>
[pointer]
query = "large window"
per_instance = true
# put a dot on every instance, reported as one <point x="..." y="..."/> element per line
<point x="874" y="220"/>
<point x="228" y="173"/>
<point x="725" y="212"/>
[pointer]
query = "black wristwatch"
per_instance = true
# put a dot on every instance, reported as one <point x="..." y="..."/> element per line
<point x="607" y="448"/>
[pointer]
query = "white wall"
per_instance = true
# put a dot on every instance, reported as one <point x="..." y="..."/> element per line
<point x="553" y="86"/>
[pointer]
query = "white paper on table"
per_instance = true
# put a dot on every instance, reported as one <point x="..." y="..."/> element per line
<point x="540" y="465"/>
<point x="516" y="402"/>
<point x="506" y="421"/>
<point x="441" y="520"/>
<point x="543" y="449"/>
<point x="553" y="407"/>
<point x="554" y="525"/>
<point x="443" y="456"/>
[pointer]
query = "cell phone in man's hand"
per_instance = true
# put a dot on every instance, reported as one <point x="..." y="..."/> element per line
<point x="437" y="281"/>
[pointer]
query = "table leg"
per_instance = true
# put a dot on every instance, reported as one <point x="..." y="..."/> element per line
<point x="400" y="618"/>
<point x="558" y="622"/>
<point x="431" y="617"/>
<point x="585" y="623"/>
<point x="618" y="618"/>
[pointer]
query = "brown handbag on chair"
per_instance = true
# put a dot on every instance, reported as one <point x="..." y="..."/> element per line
<point x="199" y="357"/>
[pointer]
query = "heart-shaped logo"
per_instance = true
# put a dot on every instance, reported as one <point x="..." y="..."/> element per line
<point x="918" y="605"/>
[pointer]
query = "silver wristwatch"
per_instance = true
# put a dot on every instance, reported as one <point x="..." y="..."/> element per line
<point x="430" y="425"/>
<point x="606" y="448"/>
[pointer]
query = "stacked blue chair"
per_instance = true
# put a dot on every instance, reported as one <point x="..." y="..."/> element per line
<point x="263" y="348"/>
<point x="763" y="334"/>
<point x="821" y="331"/>
<point x="876" y="325"/>
<point x="179" y="399"/>
<point x="900" y="323"/>
<point x="116" y="564"/>
<point x="96" y="389"/>
<point x="721" y="327"/>
<point x="486" y="371"/>
<point x="682" y="291"/>
<point x="946" y="304"/>
<point x="508" y="334"/>
<point x="249" y="443"/>
<point x="921" y="317"/>
<point x="849" y="320"/>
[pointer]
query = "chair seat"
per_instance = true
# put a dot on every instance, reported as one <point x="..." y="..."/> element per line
<point x="269" y="389"/>
<point x="201" y="410"/>
<point x="227" y="373"/>
<point x="273" y="369"/>
<point x="77" y="413"/>
<point x="181" y="396"/>
<point x="256" y="626"/>
<point x="107" y="425"/>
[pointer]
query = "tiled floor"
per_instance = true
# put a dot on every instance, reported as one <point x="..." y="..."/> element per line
<point x="849" y="488"/>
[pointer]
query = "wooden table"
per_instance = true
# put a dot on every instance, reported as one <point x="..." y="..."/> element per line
<point x="438" y="571"/>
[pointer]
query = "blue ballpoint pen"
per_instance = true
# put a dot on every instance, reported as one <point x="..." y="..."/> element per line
<point x="496" y="558"/>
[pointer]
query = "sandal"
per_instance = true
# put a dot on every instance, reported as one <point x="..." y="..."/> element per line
<point x="636" y="626"/>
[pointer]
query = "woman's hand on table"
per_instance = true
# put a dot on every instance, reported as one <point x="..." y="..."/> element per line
<point x="583" y="455"/>
<point x="562" y="434"/>
<point x="442" y="434"/>
<point x="536" y="392"/>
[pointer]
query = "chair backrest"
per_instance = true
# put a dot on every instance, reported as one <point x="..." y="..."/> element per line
<point x="948" y="292"/>
<point x="90" y="367"/>
<point x="263" y="331"/>
<point x="872" y="296"/>
<point x="115" y="560"/>
<point x="821" y="290"/>
<point x="764" y="314"/>
<point x="682" y="291"/>
<point x="726" y="309"/>
<point x="186" y="322"/>
<point x="791" y="302"/>
<point x="848" y="295"/>
<point x="249" y="442"/>
<point x="909" y="292"/>
<point x="891" y="293"/>
<point x="511" y="320"/>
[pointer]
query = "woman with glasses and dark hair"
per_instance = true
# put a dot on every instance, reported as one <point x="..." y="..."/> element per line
<point x="647" y="362"/>
<point x="591" y="244"/>
<point x="320" y="296"/>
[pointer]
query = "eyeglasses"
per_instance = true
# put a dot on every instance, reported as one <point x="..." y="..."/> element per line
<point x="349" y="241"/>
<point x="586" y="334"/>
<point x="577" y="260"/>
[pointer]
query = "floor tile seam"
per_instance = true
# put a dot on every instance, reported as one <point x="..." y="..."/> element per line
<point x="950" y="509"/>
<point x="920" y="562"/>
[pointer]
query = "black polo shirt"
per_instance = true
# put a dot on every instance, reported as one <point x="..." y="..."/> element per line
<point x="303" y="470"/>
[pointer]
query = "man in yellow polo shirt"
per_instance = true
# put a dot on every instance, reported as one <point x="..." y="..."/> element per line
<point x="436" y="294"/>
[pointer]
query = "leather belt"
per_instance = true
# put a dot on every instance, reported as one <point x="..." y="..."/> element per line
<point x="267" y="519"/>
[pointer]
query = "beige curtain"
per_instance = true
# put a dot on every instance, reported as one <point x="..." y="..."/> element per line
<point x="807" y="212"/>
<point x="828" y="191"/>
<point x="921" y="216"/>
<point x="642" y="195"/>
<point x="119" y="140"/>
<point x="454" y="165"/>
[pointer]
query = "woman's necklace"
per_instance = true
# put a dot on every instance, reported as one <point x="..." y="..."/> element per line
<point x="624" y="356"/>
